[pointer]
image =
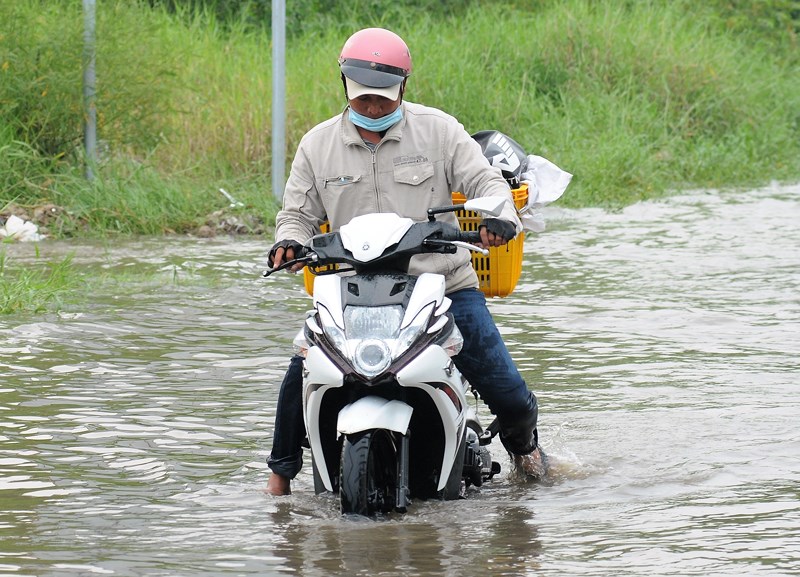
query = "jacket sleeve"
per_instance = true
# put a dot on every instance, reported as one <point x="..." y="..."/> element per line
<point x="302" y="212"/>
<point x="471" y="174"/>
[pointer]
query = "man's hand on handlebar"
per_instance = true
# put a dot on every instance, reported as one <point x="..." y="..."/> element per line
<point x="284" y="251"/>
<point x="496" y="232"/>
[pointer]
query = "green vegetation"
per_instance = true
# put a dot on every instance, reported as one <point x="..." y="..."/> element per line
<point x="39" y="284"/>
<point x="635" y="98"/>
<point x="35" y="289"/>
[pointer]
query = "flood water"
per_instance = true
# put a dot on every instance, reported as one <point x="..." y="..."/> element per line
<point x="662" y="341"/>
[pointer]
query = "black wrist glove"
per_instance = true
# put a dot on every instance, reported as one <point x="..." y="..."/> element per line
<point x="502" y="228"/>
<point x="298" y="249"/>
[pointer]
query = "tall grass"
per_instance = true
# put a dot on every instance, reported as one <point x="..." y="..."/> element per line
<point x="35" y="289"/>
<point x="634" y="98"/>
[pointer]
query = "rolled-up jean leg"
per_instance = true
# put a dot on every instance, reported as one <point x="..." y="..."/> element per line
<point x="286" y="457"/>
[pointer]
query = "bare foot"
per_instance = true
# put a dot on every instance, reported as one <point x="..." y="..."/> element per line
<point x="278" y="485"/>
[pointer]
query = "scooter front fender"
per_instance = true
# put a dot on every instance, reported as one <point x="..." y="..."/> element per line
<point x="374" y="413"/>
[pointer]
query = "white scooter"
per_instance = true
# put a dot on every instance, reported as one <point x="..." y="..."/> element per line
<point x="385" y="409"/>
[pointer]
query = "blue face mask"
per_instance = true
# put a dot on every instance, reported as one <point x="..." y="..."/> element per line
<point x="376" y="124"/>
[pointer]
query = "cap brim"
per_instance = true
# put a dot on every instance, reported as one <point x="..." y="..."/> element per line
<point x="354" y="90"/>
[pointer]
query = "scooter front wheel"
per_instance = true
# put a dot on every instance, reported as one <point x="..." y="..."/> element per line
<point x="368" y="479"/>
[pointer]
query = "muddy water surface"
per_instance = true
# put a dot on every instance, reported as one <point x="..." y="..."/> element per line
<point x="662" y="341"/>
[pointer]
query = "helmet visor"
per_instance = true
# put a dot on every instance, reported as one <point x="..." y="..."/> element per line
<point x="372" y="73"/>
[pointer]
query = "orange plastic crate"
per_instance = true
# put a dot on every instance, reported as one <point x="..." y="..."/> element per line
<point x="498" y="272"/>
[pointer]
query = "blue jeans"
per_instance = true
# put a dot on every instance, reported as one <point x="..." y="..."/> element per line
<point x="484" y="361"/>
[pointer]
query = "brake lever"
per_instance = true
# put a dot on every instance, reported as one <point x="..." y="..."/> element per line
<point x="468" y="246"/>
<point x="456" y="243"/>
<point x="289" y="263"/>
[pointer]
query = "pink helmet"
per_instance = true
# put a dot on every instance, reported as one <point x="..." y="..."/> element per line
<point x="375" y="57"/>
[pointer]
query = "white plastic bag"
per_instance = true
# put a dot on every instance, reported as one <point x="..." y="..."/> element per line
<point x="546" y="183"/>
<point x="17" y="229"/>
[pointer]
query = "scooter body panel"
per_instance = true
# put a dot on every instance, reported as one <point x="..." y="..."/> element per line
<point x="447" y="392"/>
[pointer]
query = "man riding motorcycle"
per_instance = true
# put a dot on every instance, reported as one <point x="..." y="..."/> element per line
<point x="384" y="154"/>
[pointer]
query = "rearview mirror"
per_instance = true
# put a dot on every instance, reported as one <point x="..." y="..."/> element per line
<point x="490" y="205"/>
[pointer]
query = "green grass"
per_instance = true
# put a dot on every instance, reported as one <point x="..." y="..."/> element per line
<point x="35" y="289"/>
<point x="636" y="99"/>
<point x="54" y="285"/>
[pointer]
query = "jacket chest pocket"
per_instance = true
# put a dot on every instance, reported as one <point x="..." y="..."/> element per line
<point x="341" y="181"/>
<point x="343" y="195"/>
<point x="413" y="174"/>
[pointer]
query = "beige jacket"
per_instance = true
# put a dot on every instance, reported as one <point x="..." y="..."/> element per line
<point x="417" y="165"/>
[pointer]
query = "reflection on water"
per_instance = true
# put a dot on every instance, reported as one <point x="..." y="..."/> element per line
<point x="662" y="341"/>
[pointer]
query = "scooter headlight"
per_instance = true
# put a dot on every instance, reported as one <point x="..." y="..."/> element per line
<point x="371" y="338"/>
<point x="372" y="322"/>
<point x="372" y="357"/>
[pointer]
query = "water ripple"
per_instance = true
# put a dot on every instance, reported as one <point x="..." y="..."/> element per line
<point x="662" y="342"/>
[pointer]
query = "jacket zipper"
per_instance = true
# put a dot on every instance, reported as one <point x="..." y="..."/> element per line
<point x="375" y="177"/>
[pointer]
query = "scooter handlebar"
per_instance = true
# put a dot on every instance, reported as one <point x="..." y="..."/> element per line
<point x="450" y="237"/>
<point x="467" y="240"/>
<point x="470" y="237"/>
